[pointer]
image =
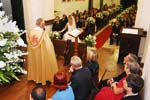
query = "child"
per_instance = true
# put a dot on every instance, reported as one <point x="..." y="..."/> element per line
<point x="132" y="85"/>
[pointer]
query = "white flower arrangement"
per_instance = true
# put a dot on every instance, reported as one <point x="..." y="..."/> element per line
<point x="106" y="13"/>
<point x="54" y="35"/>
<point x="90" y="20"/>
<point x="111" y="22"/>
<point x="111" y="11"/>
<point x="10" y="56"/>
<point x="99" y="15"/>
<point x="117" y="8"/>
<point x="90" y="40"/>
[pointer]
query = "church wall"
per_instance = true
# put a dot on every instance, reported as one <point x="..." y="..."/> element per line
<point x="69" y="7"/>
<point x="143" y="21"/>
<point x="143" y="15"/>
<point x="110" y="2"/>
<point x="96" y="4"/>
<point x="34" y="10"/>
<point x="7" y="7"/>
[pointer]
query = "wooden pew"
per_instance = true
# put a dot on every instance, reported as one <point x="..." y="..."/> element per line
<point x="66" y="49"/>
<point x="82" y="51"/>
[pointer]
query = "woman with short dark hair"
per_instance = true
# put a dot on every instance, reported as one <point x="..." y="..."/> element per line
<point x="132" y="85"/>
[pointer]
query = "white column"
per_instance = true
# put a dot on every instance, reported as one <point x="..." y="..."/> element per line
<point x="146" y="73"/>
<point x="34" y="9"/>
<point x="7" y="7"/>
<point x="143" y="15"/>
<point x="143" y="21"/>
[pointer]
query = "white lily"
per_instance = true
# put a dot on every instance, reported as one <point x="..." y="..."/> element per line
<point x="21" y="43"/>
<point x="2" y="64"/>
<point x="3" y="42"/>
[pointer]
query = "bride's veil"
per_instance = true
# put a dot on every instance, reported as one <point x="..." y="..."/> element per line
<point x="73" y="22"/>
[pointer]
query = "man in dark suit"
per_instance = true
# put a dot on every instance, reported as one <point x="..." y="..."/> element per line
<point x="116" y="28"/>
<point x="64" y="20"/>
<point x="57" y="26"/>
<point x="81" y="80"/>
<point x="78" y="22"/>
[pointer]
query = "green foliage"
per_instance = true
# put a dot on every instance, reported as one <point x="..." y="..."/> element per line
<point x="54" y="35"/>
<point x="90" y="40"/>
<point x="10" y="56"/>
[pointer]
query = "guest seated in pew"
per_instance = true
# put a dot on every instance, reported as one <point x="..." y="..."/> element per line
<point x="78" y="22"/>
<point x="64" y="91"/>
<point x="125" y="22"/>
<point x="64" y="20"/>
<point x="81" y="80"/>
<point x="38" y="93"/>
<point x="116" y="90"/>
<point x="132" y="85"/>
<point x="116" y="28"/>
<point x="93" y="65"/>
<point x="129" y="58"/>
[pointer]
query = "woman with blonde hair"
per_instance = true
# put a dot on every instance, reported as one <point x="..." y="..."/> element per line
<point x="93" y="65"/>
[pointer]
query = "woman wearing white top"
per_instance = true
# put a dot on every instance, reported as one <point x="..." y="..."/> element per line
<point x="71" y="26"/>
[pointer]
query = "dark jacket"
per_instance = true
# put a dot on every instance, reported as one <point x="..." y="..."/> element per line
<point x="64" y="22"/>
<point x="93" y="67"/>
<point x="81" y="83"/>
<point x="136" y="97"/>
<point x="120" y="76"/>
<point x="116" y="29"/>
<point x="117" y="79"/>
<point x="78" y="24"/>
<point x="57" y="26"/>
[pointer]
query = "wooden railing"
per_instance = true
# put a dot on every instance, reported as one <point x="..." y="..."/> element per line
<point x="66" y="49"/>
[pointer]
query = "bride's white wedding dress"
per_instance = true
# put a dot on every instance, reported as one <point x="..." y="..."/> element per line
<point x="66" y="35"/>
<point x="70" y="29"/>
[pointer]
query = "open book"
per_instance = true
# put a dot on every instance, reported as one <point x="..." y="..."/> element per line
<point x="75" y="33"/>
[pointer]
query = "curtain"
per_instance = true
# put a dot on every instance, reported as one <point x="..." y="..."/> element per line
<point x="90" y="4"/>
<point x="18" y="15"/>
<point x="0" y="7"/>
<point x="101" y="3"/>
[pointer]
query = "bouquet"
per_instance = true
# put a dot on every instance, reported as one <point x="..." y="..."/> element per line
<point x="99" y="15"/>
<point x="106" y="13"/>
<point x="10" y="56"/>
<point x="90" y="20"/>
<point x="90" y="40"/>
<point x="54" y="35"/>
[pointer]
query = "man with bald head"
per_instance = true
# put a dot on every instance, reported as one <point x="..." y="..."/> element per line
<point x="38" y="93"/>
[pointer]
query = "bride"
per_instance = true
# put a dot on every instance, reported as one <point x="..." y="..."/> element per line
<point x="71" y="25"/>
